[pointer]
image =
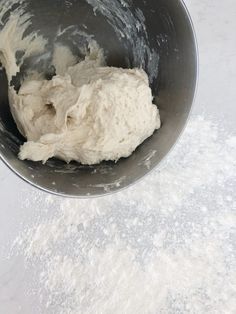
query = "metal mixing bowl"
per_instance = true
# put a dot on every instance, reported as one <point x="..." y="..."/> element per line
<point x="168" y="53"/>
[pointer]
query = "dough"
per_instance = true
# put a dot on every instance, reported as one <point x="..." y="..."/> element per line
<point x="88" y="112"/>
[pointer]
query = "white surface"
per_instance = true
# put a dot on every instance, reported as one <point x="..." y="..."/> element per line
<point x="215" y="23"/>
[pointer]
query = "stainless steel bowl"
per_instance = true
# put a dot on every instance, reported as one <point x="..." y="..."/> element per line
<point x="169" y="56"/>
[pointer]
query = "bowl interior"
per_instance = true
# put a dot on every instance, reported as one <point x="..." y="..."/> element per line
<point x="156" y="35"/>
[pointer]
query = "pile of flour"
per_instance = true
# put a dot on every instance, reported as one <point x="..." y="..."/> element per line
<point x="166" y="245"/>
<point x="88" y="112"/>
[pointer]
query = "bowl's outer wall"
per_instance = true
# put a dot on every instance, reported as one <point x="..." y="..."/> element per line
<point x="171" y="35"/>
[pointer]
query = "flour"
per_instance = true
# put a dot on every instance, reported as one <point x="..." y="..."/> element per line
<point x="168" y="248"/>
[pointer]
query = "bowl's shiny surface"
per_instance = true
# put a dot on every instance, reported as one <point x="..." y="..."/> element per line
<point x="170" y="35"/>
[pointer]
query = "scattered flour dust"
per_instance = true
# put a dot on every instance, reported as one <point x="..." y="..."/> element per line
<point x="168" y="248"/>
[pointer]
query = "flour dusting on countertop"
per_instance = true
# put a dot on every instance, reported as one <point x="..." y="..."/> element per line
<point x="166" y="245"/>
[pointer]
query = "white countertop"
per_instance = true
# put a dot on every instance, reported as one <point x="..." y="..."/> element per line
<point x="22" y="206"/>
